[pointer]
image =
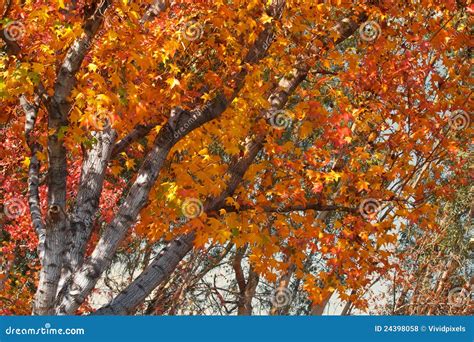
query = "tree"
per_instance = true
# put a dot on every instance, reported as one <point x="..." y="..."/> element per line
<point x="436" y="275"/>
<point x="293" y="136"/>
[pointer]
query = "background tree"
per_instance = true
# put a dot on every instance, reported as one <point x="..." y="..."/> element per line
<point x="437" y="272"/>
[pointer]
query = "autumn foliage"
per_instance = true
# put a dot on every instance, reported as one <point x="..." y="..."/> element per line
<point x="295" y="149"/>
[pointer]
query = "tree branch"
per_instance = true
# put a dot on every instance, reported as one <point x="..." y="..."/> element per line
<point x="57" y="224"/>
<point x="31" y="114"/>
<point x="237" y="266"/>
<point x="85" y="209"/>
<point x="165" y="263"/>
<point x="139" y="132"/>
<point x="87" y="276"/>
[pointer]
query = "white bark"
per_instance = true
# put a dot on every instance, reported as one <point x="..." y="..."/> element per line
<point x="31" y="113"/>
<point x="60" y="232"/>
<point x="58" y="110"/>
<point x="87" y="276"/>
<point x="87" y="202"/>
<point x="165" y="263"/>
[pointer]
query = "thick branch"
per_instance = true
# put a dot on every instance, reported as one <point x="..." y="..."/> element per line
<point x="90" y="189"/>
<point x="31" y="114"/>
<point x="165" y="263"/>
<point x="58" y="109"/>
<point x="139" y="132"/>
<point x="237" y="266"/>
<point x="282" y="287"/>
<point x="59" y="105"/>
<point x="53" y="256"/>
<point x="244" y="306"/>
<point x="84" y="213"/>
<point x="246" y="287"/>
<point x="86" y="278"/>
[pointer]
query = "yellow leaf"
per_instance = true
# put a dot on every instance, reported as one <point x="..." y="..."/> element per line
<point x="92" y="67"/>
<point x="206" y="97"/>
<point x="333" y="176"/>
<point x="173" y="82"/>
<point x="362" y="185"/>
<point x="223" y="235"/>
<point x="26" y="162"/>
<point x="103" y="98"/>
<point x="130" y="164"/>
<point x="171" y="191"/>
<point x="232" y="202"/>
<point x="266" y="18"/>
